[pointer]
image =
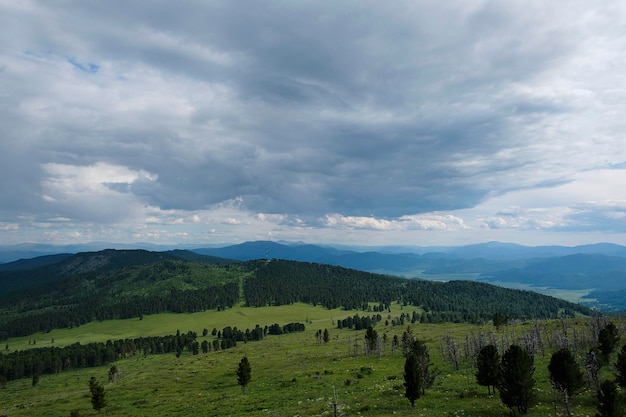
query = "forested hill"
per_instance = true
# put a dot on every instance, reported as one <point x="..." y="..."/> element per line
<point x="124" y="284"/>
<point x="283" y="282"/>
<point x="40" y="271"/>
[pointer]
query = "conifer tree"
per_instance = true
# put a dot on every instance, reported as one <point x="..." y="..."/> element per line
<point x="98" y="398"/>
<point x="620" y="368"/>
<point x="608" y="339"/>
<point x="488" y="367"/>
<point x="412" y="379"/>
<point x="565" y="376"/>
<point x="609" y="401"/>
<point x="244" y="374"/>
<point x="516" y="379"/>
<point x="371" y="337"/>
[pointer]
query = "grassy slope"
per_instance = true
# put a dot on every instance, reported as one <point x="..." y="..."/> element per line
<point x="291" y="374"/>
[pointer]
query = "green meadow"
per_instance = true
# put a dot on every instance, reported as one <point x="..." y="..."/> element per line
<point x="292" y="374"/>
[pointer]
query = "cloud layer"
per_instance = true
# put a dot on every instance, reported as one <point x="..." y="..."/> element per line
<point x="412" y="122"/>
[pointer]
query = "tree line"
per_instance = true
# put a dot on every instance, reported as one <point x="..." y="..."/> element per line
<point x="50" y="360"/>
<point x="94" y="308"/>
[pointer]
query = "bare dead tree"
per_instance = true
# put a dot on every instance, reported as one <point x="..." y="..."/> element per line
<point x="452" y="351"/>
<point x="592" y="369"/>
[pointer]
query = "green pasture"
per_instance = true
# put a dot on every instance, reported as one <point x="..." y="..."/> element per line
<point x="292" y="374"/>
<point x="168" y="323"/>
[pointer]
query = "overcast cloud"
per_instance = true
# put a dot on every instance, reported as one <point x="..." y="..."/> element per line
<point x="411" y="122"/>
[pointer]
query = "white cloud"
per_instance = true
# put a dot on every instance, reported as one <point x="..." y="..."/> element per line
<point x="8" y="227"/>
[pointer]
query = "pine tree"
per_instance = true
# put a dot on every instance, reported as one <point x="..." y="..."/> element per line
<point x="113" y="373"/>
<point x="620" y="368"/>
<point x="609" y="401"/>
<point x="371" y="337"/>
<point x="608" y="339"/>
<point x="488" y="367"/>
<point x="516" y="379"/>
<point x="565" y="376"/>
<point x="98" y="400"/>
<point x="244" y="374"/>
<point x="427" y="375"/>
<point x="499" y="320"/>
<point x="412" y="379"/>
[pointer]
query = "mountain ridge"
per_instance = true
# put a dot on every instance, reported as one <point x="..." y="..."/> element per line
<point x="596" y="267"/>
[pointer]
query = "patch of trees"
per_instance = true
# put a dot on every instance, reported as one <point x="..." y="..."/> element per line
<point x="231" y="335"/>
<point x="512" y="374"/>
<point x="357" y="322"/>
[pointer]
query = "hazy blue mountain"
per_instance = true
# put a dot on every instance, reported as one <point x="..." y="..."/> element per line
<point x="509" y="251"/>
<point x="580" y="271"/>
<point x="10" y="253"/>
<point x="35" y="262"/>
<point x="266" y="249"/>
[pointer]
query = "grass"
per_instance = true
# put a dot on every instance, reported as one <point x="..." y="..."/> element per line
<point x="168" y="323"/>
<point x="292" y="375"/>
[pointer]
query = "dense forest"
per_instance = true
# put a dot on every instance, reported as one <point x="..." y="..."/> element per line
<point x="98" y="286"/>
<point x="283" y="282"/>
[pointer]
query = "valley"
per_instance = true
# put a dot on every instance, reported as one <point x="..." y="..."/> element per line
<point x="126" y="298"/>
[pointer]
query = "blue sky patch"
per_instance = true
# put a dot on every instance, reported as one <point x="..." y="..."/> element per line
<point x="87" y="67"/>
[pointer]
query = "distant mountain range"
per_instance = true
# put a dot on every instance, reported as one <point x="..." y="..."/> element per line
<point x="599" y="268"/>
<point x="303" y="251"/>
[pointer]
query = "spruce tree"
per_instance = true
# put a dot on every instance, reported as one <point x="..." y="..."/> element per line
<point x="371" y="337"/>
<point x="565" y="376"/>
<point x="98" y="398"/>
<point x="516" y="379"/>
<point x="488" y="367"/>
<point x="609" y="401"/>
<point x="608" y="339"/>
<point x="244" y="374"/>
<point x="412" y="379"/>
<point x="620" y="368"/>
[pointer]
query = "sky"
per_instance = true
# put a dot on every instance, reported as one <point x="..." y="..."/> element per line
<point x="339" y="122"/>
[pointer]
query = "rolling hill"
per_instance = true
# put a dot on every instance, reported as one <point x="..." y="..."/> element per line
<point x="122" y="284"/>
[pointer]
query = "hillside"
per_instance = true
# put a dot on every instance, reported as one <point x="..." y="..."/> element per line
<point x="121" y="284"/>
<point x="36" y="272"/>
<point x="568" y="272"/>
